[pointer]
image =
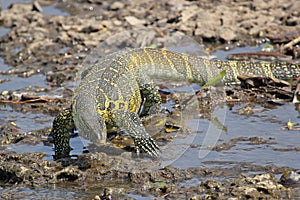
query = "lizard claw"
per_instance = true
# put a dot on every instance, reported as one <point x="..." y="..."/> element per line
<point x="148" y="145"/>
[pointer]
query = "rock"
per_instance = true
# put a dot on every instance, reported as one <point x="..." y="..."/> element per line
<point x="227" y="34"/>
<point x="69" y="173"/>
<point x="260" y="186"/>
<point x="133" y="21"/>
<point x="116" y="6"/>
<point x="37" y="7"/>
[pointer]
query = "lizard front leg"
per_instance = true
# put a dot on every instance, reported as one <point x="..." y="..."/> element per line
<point x="63" y="124"/>
<point x="132" y="124"/>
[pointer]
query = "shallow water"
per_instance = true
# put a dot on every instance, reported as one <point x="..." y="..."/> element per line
<point x="266" y="125"/>
<point x="278" y="148"/>
<point x="45" y="193"/>
<point x="47" y="10"/>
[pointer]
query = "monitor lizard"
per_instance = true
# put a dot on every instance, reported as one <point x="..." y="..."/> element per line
<point x="118" y="91"/>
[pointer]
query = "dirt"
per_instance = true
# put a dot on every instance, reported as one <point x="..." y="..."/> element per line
<point x="55" y="46"/>
<point x="99" y="170"/>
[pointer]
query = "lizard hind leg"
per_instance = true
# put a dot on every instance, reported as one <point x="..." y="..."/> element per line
<point x="151" y="100"/>
<point x="131" y="123"/>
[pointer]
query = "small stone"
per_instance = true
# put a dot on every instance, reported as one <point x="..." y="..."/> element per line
<point x="37" y="7"/>
<point x="117" y="22"/>
<point x="5" y="92"/>
<point x="97" y="197"/>
<point x="134" y="21"/>
<point x="117" y="6"/>
<point x="227" y="34"/>
<point x="205" y="33"/>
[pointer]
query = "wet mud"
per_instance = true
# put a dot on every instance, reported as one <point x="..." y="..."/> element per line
<point x="44" y="46"/>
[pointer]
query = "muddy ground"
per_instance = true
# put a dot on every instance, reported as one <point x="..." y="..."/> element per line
<point x="36" y="42"/>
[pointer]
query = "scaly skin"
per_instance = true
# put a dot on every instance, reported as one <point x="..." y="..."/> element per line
<point x="62" y="125"/>
<point x="112" y="91"/>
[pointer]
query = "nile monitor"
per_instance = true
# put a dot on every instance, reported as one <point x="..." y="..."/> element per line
<point x="118" y="90"/>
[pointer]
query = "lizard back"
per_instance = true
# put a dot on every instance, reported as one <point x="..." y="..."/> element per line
<point x="114" y="82"/>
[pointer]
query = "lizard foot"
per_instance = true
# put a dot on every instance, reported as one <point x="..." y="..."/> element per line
<point x="148" y="145"/>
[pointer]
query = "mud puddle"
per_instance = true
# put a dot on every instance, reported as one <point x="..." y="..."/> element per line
<point x="44" y="193"/>
<point x="253" y="140"/>
<point x="3" y="31"/>
<point x="257" y="139"/>
<point x="48" y="8"/>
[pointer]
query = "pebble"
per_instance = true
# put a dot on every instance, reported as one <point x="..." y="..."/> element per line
<point x="117" y="6"/>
